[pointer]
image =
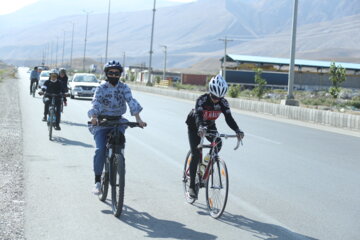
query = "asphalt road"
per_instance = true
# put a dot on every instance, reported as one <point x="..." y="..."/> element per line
<point x="286" y="182"/>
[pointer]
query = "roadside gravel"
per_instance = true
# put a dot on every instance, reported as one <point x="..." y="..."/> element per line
<point x="12" y="197"/>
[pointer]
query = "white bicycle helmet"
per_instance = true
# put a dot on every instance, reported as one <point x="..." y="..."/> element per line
<point x="54" y="71"/>
<point x="217" y="86"/>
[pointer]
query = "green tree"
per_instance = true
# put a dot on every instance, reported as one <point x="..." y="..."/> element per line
<point x="259" y="90"/>
<point x="337" y="76"/>
<point x="234" y="90"/>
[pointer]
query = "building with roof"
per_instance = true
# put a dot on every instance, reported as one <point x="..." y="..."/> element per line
<point x="309" y="74"/>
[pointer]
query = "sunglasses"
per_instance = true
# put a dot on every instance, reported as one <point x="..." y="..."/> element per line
<point x="214" y="97"/>
<point x="116" y="74"/>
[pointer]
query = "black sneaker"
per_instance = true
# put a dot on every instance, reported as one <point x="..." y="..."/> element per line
<point x="192" y="193"/>
<point x="44" y="119"/>
<point x="57" y="128"/>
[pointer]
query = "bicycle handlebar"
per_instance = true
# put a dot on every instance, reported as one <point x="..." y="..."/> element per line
<point x="114" y="123"/>
<point x="220" y="135"/>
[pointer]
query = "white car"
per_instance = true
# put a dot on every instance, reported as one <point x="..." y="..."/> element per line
<point x="83" y="85"/>
<point x="44" y="75"/>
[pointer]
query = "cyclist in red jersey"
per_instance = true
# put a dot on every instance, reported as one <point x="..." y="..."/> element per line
<point x="208" y="108"/>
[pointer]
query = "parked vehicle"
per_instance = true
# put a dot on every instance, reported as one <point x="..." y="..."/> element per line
<point x="83" y="85"/>
<point x="44" y="75"/>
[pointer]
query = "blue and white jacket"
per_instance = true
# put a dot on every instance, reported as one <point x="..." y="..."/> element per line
<point x="111" y="101"/>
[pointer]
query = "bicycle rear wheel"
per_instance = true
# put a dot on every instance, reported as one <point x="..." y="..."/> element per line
<point x="217" y="188"/>
<point x="118" y="183"/>
<point x="186" y="178"/>
<point x="104" y="182"/>
<point x="50" y="125"/>
<point x="33" y="89"/>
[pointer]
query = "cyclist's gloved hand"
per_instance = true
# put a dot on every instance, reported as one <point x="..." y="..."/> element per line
<point x="202" y="131"/>
<point x="240" y="134"/>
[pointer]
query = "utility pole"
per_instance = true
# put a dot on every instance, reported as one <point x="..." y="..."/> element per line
<point x="165" y="52"/>
<point x="151" y="44"/>
<point x="86" y="27"/>
<point x="51" y="53"/>
<point x="107" y="33"/>
<point x="290" y="97"/>
<point x="226" y="40"/>
<point x="123" y="65"/>
<point x="72" y="44"/>
<point x="56" y="52"/>
<point x="63" y="52"/>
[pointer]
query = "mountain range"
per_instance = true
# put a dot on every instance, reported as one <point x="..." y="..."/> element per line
<point x="327" y="30"/>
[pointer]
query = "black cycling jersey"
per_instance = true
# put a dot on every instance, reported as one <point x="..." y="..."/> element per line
<point x="206" y="112"/>
<point x="64" y="81"/>
<point x="53" y="87"/>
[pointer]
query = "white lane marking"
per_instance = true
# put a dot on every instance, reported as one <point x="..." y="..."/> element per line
<point x="167" y="158"/>
<point x="237" y="200"/>
<point x="263" y="138"/>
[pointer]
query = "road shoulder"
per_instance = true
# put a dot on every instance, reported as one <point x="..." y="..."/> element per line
<point x="12" y="198"/>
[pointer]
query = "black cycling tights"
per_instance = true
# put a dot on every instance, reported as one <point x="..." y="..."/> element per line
<point x="194" y="141"/>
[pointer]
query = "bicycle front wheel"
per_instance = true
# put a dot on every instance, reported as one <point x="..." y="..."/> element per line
<point x="217" y="188"/>
<point x="118" y="183"/>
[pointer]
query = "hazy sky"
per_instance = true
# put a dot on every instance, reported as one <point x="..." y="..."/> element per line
<point x="9" y="6"/>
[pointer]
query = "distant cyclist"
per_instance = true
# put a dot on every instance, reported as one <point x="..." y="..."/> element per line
<point x="208" y="108"/>
<point x="110" y="99"/>
<point x="34" y="78"/>
<point x="53" y="86"/>
<point x="64" y="80"/>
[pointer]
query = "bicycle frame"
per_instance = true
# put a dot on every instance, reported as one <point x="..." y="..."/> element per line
<point x="213" y="151"/>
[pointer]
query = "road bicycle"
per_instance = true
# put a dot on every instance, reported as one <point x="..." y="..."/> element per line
<point x="214" y="177"/>
<point x="114" y="170"/>
<point x="51" y="121"/>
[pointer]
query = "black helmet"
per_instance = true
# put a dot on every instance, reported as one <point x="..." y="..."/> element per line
<point x="113" y="65"/>
<point x="62" y="70"/>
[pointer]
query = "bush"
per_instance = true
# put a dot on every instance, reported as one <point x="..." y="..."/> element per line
<point x="234" y="90"/>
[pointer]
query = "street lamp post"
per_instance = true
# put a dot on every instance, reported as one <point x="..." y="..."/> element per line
<point x="63" y="51"/>
<point x="86" y="28"/>
<point x="165" y="52"/>
<point x="107" y="33"/>
<point x="151" y="43"/>
<point x="56" y="51"/>
<point x="72" y="44"/>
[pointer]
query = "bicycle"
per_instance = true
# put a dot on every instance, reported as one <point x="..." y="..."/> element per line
<point x="114" y="170"/>
<point x="33" y="88"/>
<point x="215" y="177"/>
<point x="52" y="109"/>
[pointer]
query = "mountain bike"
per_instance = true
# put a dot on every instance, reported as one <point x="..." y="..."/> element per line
<point x="114" y="170"/>
<point x="51" y="121"/>
<point x="215" y="177"/>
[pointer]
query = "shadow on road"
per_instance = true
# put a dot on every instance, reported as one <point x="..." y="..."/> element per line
<point x="74" y="124"/>
<point x="159" y="228"/>
<point x="65" y="141"/>
<point x="267" y="231"/>
<point x="264" y="231"/>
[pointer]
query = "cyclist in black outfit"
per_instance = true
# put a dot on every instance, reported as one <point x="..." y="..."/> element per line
<point x="64" y="80"/>
<point x="54" y="86"/>
<point x="207" y="109"/>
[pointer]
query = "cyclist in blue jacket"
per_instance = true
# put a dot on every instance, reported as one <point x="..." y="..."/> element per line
<point x="110" y="99"/>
